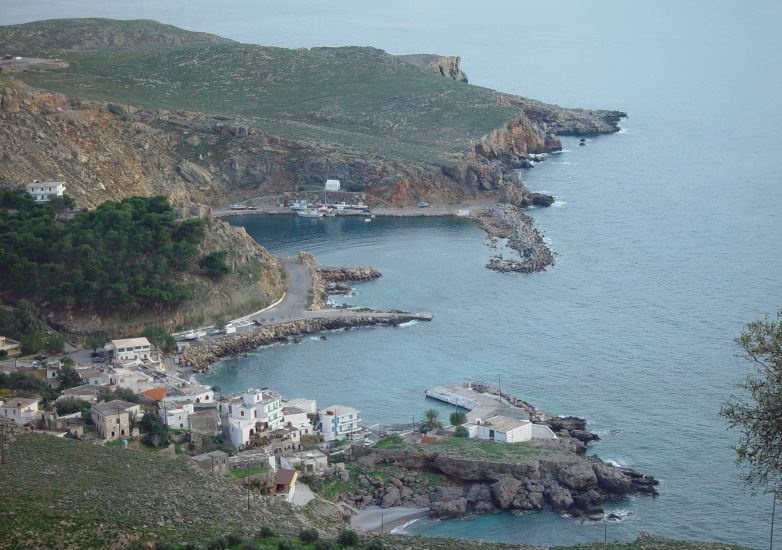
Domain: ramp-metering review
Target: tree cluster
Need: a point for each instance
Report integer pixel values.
(121, 256)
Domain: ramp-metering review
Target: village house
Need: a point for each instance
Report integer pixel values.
(215, 462)
(246, 415)
(53, 373)
(20, 409)
(501, 428)
(339, 422)
(86, 392)
(308, 462)
(294, 417)
(197, 393)
(133, 380)
(205, 421)
(285, 483)
(176, 414)
(44, 191)
(130, 349)
(112, 418)
(95, 377)
(12, 348)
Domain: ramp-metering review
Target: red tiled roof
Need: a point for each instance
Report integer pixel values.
(155, 394)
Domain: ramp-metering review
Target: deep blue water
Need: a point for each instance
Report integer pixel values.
(668, 237)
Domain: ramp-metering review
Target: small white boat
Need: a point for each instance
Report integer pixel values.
(310, 213)
(463, 213)
(300, 205)
(367, 220)
(237, 206)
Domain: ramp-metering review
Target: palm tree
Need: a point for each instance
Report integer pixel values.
(431, 420)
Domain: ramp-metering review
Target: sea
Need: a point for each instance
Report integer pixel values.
(667, 238)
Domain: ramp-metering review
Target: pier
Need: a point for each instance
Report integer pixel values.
(480, 405)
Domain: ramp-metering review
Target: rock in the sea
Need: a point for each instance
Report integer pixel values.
(610, 479)
(478, 493)
(449, 508)
(561, 498)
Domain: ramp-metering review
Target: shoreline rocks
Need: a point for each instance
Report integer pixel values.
(505, 221)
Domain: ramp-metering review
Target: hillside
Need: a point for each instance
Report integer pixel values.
(404, 126)
(59, 493)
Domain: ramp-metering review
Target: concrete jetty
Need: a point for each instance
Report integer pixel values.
(482, 406)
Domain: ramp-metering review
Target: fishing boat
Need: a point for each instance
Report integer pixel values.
(423, 204)
(237, 206)
(463, 213)
(310, 213)
(300, 205)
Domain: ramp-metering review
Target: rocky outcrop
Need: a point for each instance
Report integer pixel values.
(509, 222)
(348, 274)
(559, 479)
(447, 66)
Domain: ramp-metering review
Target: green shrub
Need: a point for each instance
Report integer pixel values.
(163, 545)
(266, 532)
(458, 418)
(234, 539)
(214, 264)
(375, 544)
(309, 535)
(461, 431)
(324, 545)
(217, 544)
(348, 537)
(284, 545)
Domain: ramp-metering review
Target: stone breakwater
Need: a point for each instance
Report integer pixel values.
(348, 274)
(506, 221)
(557, 478)
(200, 358)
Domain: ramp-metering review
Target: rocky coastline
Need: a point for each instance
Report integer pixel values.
(556, 478)
(506, 221)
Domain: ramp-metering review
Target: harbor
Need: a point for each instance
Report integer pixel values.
(480, 405)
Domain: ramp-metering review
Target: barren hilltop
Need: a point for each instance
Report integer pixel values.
(144, 107)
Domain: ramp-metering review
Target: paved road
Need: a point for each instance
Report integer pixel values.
(295, 302)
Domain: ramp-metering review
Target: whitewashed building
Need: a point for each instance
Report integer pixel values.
(19, 409)
(177, 414)
(197, 393)
(130, 349)
(501, 428)
(244, 413)
(44, 191)
(339, 422)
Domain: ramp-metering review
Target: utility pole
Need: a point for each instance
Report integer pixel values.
(247, 470)
(773, 513)
(413, 423)
(2, 442)
(499, 382)
(605, 531)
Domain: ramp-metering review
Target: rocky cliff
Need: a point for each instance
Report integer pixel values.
(448, 66)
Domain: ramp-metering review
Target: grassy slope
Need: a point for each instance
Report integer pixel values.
(361, 97)
(471, 449)
(58, 493)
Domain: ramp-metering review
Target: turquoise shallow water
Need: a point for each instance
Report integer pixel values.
(668, 237)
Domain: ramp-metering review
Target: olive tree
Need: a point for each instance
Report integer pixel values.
(757, 409)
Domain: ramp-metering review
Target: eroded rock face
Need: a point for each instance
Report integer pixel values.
(504, 491)
(578, 476)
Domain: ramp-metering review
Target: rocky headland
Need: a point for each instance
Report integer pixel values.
(471, 479)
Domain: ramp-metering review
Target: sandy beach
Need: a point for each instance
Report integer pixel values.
(375, 518)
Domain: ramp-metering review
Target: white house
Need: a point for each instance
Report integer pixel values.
(87, 392)
(295, 417)
(44, 191)
(130, 349)
(112, 418)
(20, 410)
(307, 405)
(244, 413)
(197, 393)
(132, 380)
(177, 414)
(95, 377)
(501, 428)
(339, 422)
